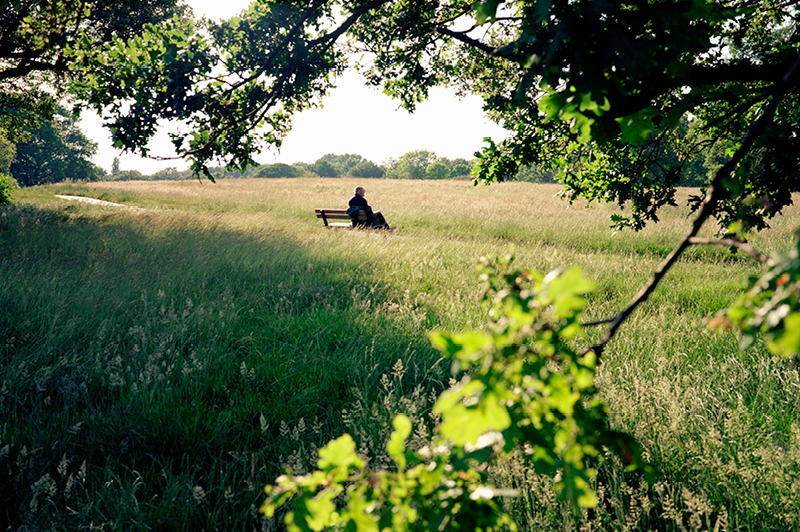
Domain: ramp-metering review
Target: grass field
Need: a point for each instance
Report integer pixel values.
(160, 363)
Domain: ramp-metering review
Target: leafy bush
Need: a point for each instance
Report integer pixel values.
(332, 165)
(437, 170)
(769, 309)
(278, 170)
(367, 169)
(7, 186)
(129, 175)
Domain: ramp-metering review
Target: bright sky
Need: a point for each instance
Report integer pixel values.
(355, 119)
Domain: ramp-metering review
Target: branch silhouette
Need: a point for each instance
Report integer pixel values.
(713, 196)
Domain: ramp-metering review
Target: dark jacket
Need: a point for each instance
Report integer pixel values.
(358, 200)
(357, 204)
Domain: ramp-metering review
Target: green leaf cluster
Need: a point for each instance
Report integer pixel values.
(48, 43)
(7, 186)
(55, 151)
(442, 490)
(425, 164)
(526, 383)
(770, 308)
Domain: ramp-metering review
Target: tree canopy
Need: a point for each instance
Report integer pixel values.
(277, 170)
(55, 151)
(44, 44)
(412, 165)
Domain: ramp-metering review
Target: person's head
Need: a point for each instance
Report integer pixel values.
(359, 191)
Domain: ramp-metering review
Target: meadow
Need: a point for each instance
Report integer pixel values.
(161, 362)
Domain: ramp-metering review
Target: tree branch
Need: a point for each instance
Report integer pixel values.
(344, 26)
(713, 196)
(730, 242)
(483, 47)
(488, 50)
(266, 64)
(736, 110)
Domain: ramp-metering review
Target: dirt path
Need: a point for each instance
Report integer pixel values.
(93, 201)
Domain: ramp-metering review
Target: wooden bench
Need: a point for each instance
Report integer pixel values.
(339, 214)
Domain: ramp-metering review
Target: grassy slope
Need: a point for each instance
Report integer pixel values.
(160, 365)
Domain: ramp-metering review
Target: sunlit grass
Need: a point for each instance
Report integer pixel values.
(160, 365)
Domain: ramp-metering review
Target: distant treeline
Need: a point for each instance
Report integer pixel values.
(422, 164)
(59, 151)
(419, 164)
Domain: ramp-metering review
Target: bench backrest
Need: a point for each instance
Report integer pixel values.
(338, 214)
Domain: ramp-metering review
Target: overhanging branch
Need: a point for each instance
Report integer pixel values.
(344, 26)
(709, 204)
(729, 242)
(483, 47)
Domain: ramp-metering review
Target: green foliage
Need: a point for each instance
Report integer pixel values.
(437, 170)
(613, 109)
(167, 174)
(56, 151)
(324, 168)
(524, 388)
(26, 105)
(770, 308)
(277, 170)
(332, 165)
(396, 500)
(126, 19)
(366, 169)
(7, 186)
(128, 175)
(36, 37)
(170, 74)
(8, 151)
(173, 174)
(411, 165)
(460, 167)
(424, 164)
(48, 43)
(534, 174)
(349, 164)
(525, 381)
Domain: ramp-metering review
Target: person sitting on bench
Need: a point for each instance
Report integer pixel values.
(358, 203)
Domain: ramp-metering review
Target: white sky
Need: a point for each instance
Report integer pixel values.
(355, 119)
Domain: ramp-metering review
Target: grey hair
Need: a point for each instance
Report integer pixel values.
(357, 190)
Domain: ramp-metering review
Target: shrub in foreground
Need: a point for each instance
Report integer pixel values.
(7, 186)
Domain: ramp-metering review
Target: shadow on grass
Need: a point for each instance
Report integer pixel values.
(143, 355)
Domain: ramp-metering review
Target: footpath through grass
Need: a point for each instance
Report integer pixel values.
(160, 364)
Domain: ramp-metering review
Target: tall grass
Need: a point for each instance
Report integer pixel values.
(160, 365)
